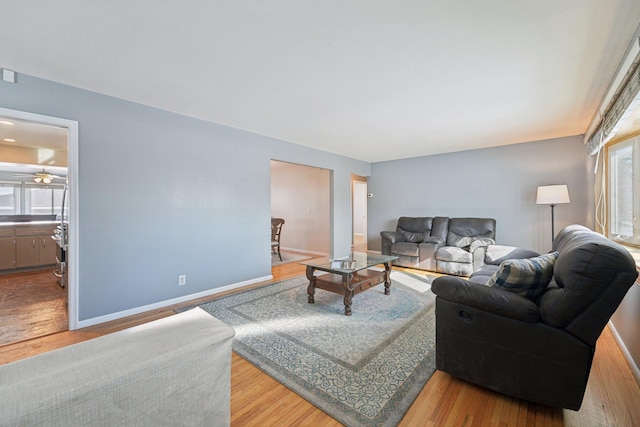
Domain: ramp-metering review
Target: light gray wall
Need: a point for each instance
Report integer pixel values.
(162, 194)
(626, 320)
(499, 182)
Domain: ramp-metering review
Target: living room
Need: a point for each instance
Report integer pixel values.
(163, 191)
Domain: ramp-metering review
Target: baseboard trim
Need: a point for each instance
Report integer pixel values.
(137, 310)
(625, 351)
(302, 251)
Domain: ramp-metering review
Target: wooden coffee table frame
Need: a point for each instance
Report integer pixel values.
(347, 284)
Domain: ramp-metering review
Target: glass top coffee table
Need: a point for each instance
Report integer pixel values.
(349, 275)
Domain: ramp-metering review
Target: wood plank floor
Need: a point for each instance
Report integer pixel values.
(612, 397)
(31, 305)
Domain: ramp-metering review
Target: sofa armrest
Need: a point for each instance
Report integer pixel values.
(480, 243)
(392, 236)
(493, 300)
(497, 253)
(388, 239)
(434, 240)
(478, 249)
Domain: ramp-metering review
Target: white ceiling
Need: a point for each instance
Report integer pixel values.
(21, 133)
(372, 80)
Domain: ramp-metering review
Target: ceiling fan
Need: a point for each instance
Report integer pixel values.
(41, 177)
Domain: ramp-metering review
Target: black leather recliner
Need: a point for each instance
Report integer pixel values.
(541, 350)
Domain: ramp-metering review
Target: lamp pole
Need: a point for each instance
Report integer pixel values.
(553, 231)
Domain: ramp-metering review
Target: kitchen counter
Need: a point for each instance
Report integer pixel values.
(26, 223)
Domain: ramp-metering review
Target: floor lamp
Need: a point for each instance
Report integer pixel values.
(552, 195)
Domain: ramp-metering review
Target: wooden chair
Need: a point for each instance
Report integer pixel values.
(276, 230)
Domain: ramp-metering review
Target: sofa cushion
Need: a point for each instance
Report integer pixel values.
(453, 254)
(462, 229)
(526, 277)
(405, 248)
(412, 237)
(415, 224)
(454, 268)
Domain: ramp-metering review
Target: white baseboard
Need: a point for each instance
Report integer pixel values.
(625, 351)
(303, 251)
(142, 309)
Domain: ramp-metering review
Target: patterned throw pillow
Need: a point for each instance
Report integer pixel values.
(526, 277)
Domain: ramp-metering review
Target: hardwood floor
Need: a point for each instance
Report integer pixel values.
(31, 305)
(612, 397)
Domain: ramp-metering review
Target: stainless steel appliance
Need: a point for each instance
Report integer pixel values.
(61, 237)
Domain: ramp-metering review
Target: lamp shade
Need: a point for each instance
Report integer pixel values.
(552, 194)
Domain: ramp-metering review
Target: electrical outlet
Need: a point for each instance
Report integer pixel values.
(182, 280)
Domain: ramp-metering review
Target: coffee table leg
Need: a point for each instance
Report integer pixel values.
(387, 278)
(348, 293)
(311, 289)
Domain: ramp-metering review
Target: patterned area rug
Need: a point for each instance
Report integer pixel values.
(363, 370)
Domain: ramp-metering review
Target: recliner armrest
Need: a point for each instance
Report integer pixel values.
(392, 236)
(434, 240)
(478, 250)
(493, 300)
(481, 243)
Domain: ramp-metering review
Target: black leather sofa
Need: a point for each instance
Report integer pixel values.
(446, 245)
(538, 350)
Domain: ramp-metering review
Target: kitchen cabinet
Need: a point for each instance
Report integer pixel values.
(26, 246)
(47, 250)
(27, 252)
(7, 253)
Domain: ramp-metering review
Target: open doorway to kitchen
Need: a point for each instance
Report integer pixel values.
(38, 223)
(301, 195)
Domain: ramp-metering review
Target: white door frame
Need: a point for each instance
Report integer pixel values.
(72, 153)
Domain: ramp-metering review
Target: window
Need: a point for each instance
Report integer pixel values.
(9, 200)
(624, 196)
(43, 201)
(27, 199)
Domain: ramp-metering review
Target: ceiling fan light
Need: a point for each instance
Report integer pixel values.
(46, 180)
(38, 179)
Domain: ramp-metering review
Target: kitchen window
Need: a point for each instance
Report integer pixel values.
(26, 199)
(624, 191)
(43, 201)
(9, 199)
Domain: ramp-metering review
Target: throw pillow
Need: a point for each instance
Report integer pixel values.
(526, 277)
(412, 237)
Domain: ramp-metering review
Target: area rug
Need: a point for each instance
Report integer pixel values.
(287, 258)
(363, 370)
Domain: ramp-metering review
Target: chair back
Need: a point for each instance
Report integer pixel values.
(276, 229)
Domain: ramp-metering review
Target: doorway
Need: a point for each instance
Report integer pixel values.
(301, 195)
(46, 165)
(359, 213)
